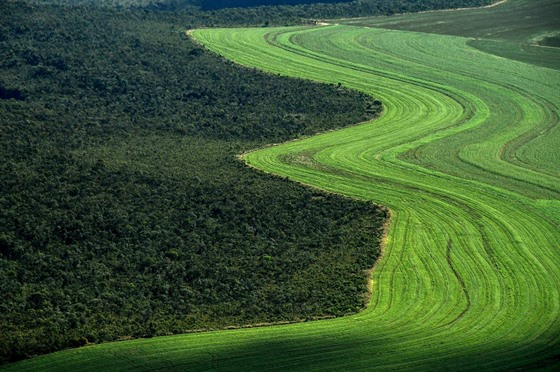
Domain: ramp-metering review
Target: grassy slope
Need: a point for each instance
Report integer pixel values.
(514, 29)
(464, 157)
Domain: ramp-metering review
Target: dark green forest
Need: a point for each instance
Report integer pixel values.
(123, 209)
(208, 13)
(221, 4)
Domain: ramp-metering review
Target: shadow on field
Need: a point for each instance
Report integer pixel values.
(350, 352)
(321, 349)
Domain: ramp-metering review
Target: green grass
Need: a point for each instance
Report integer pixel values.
(514, 29)
(465, 156)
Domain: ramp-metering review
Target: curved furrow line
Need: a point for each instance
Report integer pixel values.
(409, 239)
(536, 100)
(513, 240)
(495, 285)
(494, 92)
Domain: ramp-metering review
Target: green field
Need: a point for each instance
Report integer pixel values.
(512, 29)
(465, 155)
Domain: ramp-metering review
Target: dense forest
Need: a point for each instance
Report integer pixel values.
(222, 4)
(199, 13)
(123, 211)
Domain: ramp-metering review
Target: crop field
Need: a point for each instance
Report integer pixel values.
(519, 30)
(466, 157)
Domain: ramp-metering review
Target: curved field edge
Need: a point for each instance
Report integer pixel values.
(435, 131)
(470, 275)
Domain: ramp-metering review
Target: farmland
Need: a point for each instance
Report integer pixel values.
(465, 156)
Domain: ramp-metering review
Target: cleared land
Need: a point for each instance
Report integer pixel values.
(465, 156)
(514, 29)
